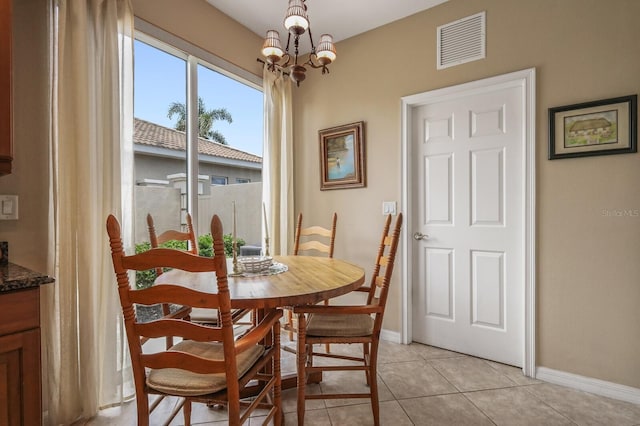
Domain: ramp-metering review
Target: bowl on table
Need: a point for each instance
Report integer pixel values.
(254, 264)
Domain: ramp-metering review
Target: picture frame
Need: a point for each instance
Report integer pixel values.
(603, 127)
(342, 157)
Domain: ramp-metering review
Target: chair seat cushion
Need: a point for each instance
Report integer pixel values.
(337, 325)
(186, 383)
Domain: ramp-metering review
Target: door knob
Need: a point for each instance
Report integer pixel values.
(420, 236)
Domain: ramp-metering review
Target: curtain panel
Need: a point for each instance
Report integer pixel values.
(85, 357)
(277, 161)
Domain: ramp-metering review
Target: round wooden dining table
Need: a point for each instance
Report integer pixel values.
(307, 280)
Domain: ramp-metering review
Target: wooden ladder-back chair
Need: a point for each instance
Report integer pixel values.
(349, 324)
(208, 365)
(205, 316)
(311, 241)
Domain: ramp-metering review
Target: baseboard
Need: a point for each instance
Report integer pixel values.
(588, 384)
(574, 381)
(390, 336)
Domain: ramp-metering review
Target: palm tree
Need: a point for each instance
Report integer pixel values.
(206, 118)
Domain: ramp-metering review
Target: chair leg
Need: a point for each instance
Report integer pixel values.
(186, 410)
(290, 324)
(327, 347)
(277, 389)
(365, 355)
(373, 385)
(301, 358)
(142, 402)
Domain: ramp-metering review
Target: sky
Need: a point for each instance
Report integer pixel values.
(160, 79)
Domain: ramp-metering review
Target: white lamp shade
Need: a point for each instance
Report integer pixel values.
(271, 46)
(326, 50)
(296, 19)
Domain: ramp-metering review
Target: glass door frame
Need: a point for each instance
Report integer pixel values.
(194, 56)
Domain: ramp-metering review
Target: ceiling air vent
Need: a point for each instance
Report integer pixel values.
(461, 41)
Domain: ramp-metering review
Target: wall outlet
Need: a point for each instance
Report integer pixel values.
(388, 207)
(8, 207)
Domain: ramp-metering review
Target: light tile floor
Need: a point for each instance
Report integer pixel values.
(424, 385)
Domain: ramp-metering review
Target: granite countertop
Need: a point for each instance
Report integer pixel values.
(16, 277)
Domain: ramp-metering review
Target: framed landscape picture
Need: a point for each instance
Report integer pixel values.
(342, 157)
(603, 127)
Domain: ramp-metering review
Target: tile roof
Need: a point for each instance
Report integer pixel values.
(151, 134)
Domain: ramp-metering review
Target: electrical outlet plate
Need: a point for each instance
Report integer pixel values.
(8, 207)
(388, 207)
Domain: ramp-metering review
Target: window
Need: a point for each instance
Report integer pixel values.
(219, 180)
(198, 119)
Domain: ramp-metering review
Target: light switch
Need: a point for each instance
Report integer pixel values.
(388, 207)
(8, 207)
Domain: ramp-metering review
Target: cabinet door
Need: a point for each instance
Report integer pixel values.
(20, 400)
(6, 144)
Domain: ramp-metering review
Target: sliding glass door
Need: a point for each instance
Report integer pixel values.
(197, 139)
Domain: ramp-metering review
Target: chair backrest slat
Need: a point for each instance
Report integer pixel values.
(313, 245)
(173, 327)
(379, 281)
(170, 258)
(383, 268)
(172, 293)
(314, 232)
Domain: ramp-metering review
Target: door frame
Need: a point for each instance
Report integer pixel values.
(525, 80)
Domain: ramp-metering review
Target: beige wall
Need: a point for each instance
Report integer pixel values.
(206, 27)
(27, 236)
(588, 290)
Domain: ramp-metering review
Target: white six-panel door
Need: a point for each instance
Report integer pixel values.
(468, 290)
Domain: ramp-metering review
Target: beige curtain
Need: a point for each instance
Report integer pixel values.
(84, 351)
(277, 161)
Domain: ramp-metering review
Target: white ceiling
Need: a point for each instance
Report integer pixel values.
(340, 18)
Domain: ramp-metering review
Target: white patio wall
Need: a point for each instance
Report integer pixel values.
(164, 205)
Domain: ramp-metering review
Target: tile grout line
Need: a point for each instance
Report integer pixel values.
(395, 398)
(442, 375)
(478, 408)
(563, 415)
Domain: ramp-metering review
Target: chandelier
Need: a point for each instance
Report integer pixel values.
(296, 23)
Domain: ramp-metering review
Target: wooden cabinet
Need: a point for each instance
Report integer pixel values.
(20, 387)
(6, 141)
